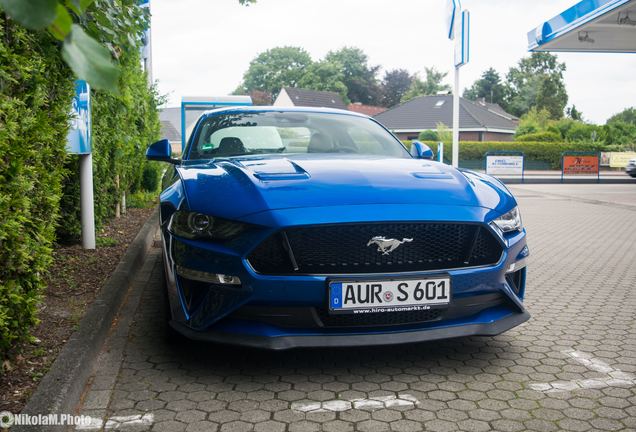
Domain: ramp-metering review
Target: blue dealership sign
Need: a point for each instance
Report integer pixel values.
(78, 140)
(453, 8)
(462, 39)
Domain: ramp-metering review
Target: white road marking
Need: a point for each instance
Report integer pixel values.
(589, 362)
(613, 377)
(371, 404)
(118, 422)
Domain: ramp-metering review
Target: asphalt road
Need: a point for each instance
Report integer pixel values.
(571, 367)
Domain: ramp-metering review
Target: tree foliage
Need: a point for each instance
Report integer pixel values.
(345, 71)
(274, 69)
(537, 82)
(359, 77)
(620, 129)
(395, 84)
(628, 115)
(573, 113)
(538, 125)
(489, 87)
(325, 76)
(79, 24)
(430, 85)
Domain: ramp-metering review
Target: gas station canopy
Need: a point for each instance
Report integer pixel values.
(589, 26)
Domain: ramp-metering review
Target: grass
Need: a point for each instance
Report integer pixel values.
(105, 242)
(39, 352)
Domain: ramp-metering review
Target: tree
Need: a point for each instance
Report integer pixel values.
(620, 129)
(431, 85)
(537, 82)
(324, 76)
(535, 120)
(628, 115)
(621, 133)
(274, 69)
(574, 114)
(489, 87)
(359, 77)
(394, 86)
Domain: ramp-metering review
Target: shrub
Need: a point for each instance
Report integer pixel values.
(36, 89)
(533, 121)
(620, 134)
(544, 136)
(150, 178)
(428, 135)
(538, 126)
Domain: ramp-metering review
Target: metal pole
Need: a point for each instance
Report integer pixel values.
(87, 210)
(456, 120)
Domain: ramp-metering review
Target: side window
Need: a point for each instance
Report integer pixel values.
(295, 139)
(365, 141)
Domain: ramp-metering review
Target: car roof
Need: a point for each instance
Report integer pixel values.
(260, 108)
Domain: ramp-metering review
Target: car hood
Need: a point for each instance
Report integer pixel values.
(237, 187)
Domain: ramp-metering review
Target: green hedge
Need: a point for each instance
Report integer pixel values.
(538, 154)
(35, 94)
(39, 185)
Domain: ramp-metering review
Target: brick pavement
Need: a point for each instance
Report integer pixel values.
(571, 367)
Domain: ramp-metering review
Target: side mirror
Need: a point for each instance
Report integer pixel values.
(161, 151)
(420, 150)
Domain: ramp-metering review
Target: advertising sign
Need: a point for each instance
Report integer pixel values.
(504, 165)
(78, 140)
(580, 164)
(620, 159)
(605, 159)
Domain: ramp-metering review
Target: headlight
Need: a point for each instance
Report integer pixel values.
(511, 221)
(192, 225)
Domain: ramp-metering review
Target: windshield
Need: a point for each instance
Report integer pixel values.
(238, 134)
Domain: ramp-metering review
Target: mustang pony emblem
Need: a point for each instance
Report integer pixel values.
(385, 245)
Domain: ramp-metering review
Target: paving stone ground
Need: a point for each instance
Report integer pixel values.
(571, 367)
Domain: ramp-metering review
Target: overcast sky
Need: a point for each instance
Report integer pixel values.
(203, 47)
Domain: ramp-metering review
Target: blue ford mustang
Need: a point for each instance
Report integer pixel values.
(292, 227)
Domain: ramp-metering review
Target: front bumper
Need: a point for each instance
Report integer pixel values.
(500, 321)
(224, 313)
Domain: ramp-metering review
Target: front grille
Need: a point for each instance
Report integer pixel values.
(378, 319)
(344, 249)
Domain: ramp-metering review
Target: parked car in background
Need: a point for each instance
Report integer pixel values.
(631, 167)
(303, 227)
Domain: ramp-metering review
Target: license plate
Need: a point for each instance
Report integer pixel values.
(388, 295)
